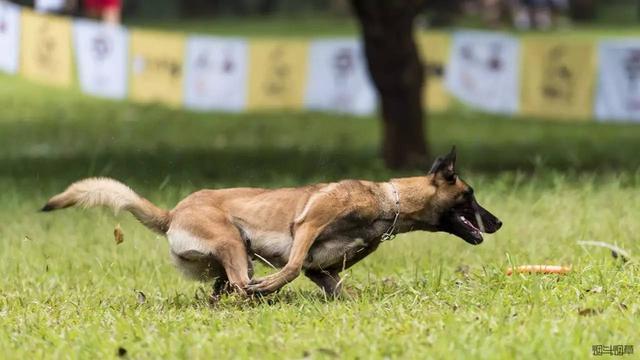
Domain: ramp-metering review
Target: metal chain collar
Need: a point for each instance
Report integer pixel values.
(390, 233)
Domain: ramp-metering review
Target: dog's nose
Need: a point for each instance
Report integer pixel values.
(498, 224)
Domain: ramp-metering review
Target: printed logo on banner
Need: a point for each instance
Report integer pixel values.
(101, 46)
(434, 50)
(484, 70)
(101, 51)
(157, 67)
(278, 79)
(46, 49)
(619, 81)
(344, 73)
(9, 37)
(338, 78)
(277, 74)
(557, 78)
(216, 74)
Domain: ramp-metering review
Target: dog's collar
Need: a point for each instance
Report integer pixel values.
(391, 231)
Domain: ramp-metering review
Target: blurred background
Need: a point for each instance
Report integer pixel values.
(540, 97)
(437, 13)
(429, 70)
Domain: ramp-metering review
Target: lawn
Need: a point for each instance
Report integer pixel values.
(622, 23)
(305, 25)
(68, 291)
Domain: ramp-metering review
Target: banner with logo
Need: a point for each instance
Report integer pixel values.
(540, 76)
(277, 74)
(557, 77)
(338, 78)
(156, 67)
(434, 50)
(101, 56)
(46, 49)
(618, 95)
(216, 73)
(9, 37)
(483, 70)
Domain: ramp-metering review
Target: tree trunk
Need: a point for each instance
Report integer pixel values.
(398, 75)
(582, 10)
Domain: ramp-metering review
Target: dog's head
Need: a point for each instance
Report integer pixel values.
(459, 212)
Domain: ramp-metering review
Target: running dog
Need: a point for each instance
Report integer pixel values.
(319, 229)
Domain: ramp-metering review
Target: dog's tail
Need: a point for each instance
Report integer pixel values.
(115, 195)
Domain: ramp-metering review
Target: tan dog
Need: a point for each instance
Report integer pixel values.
(322, 229)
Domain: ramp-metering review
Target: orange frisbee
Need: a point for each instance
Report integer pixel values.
(539, 269)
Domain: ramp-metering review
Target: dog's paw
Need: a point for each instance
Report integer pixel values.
(269, 284)
(264, 286)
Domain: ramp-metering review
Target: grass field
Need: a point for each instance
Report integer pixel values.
(621, 23)
(68, 291)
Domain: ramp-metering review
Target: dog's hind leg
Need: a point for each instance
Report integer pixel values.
(222, 286)
(328, 281)
(250, 268)
(235, 262)
(211, 235)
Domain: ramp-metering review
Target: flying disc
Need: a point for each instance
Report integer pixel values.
(539, 269)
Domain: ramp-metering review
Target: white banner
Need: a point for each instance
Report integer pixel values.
(483, 70)
(618, 81)
(338, 78)
(101, 53)
(216, 73)
(9, 37)
(45, 6)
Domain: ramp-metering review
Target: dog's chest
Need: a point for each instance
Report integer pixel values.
(343, 242)
(335, 252)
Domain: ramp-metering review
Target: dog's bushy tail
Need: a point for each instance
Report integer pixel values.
(115, 195)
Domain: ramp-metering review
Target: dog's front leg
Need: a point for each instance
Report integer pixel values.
(328, 281)
(303, 239)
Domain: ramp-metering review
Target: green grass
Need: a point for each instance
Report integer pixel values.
(68, 291)
(303, 25)
(323, 25)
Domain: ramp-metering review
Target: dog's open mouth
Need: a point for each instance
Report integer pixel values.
(468, 222)
(463, 226)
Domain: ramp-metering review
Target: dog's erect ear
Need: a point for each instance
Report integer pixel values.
(451, 157)
(445, 165)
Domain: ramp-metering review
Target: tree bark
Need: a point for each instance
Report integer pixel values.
(398, 75)
(582, 10)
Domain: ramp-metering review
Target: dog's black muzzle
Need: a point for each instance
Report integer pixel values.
(469, 220)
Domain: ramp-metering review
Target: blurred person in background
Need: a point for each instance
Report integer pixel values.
(492, 12)
(559, 11)
(537, 14)
(109, 11)
(520, 14)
